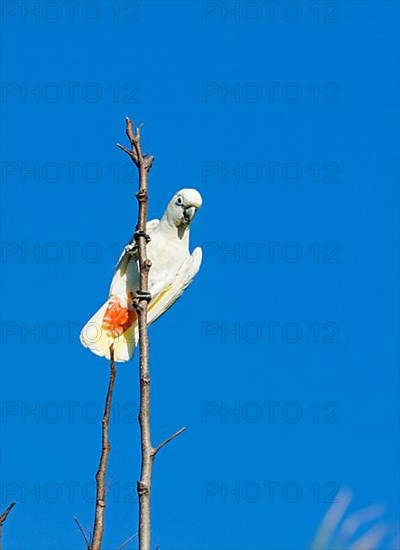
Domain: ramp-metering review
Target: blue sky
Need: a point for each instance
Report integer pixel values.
(287, 123)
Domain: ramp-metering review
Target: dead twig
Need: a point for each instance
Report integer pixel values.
(161, 445)
(3, 518)
(86, 539)
(127, 541)
(98, 527)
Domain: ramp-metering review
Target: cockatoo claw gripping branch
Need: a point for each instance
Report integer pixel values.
(142, 295)
(139, 234)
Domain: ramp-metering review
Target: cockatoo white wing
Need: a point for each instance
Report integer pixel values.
(167, 297)
(131, 247)
(125, 344)
(183, 278)
(118, 283)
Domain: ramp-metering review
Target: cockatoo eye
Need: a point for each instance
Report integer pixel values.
(179, 201)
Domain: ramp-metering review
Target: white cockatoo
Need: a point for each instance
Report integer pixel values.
(173, 269)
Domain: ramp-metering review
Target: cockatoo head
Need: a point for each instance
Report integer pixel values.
(183, 207)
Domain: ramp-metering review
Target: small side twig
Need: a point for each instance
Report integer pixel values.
(161, 445)
(87, 541)
(127, 541)
(3, 518)
(140, 159)
(98, 527)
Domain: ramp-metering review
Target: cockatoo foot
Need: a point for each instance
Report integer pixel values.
(143, 295)
(138, 234)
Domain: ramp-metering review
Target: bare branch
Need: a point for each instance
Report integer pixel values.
(87, 541)
(161, 445)
(4, 515)
(140, 302)
(140, 159)
(98, 527)
(127, 541)
(3, 518)
(144, 164)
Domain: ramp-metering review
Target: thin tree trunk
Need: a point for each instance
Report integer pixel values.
(143, 163)
(148, 453)
(144, 485)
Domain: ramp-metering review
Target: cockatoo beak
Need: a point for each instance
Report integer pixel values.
(189, 213)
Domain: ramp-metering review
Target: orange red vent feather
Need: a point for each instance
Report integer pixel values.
(117, 319)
